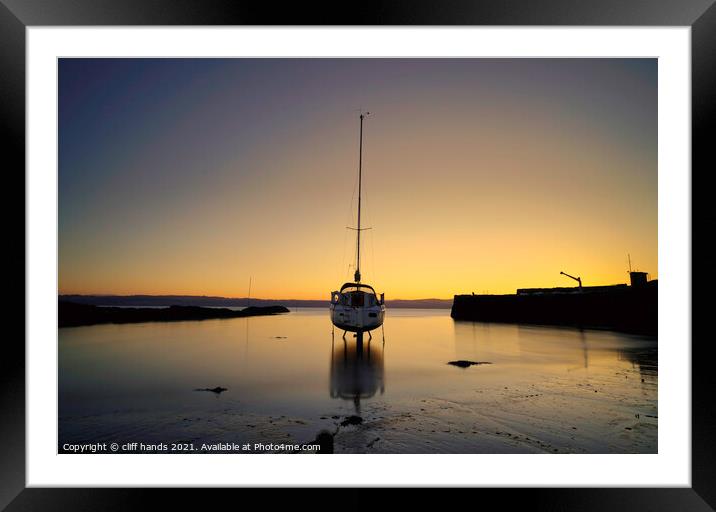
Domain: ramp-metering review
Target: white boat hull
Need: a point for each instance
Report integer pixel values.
(357, 318)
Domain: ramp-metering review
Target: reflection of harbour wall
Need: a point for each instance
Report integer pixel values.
(622, 308)
(644, 358)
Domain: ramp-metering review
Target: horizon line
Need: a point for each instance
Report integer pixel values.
(216, 296)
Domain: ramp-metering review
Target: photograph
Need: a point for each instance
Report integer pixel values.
(357, 255)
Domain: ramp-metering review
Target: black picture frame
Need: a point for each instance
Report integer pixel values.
(700, 15)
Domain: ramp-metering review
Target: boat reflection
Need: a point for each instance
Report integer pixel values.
(356, 368)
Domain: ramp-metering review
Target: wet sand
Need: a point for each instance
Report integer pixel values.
(556, 415)
(545, 391)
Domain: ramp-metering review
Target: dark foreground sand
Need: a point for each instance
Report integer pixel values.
(555, 416)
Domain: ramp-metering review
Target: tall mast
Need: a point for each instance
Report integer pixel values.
(360, 177)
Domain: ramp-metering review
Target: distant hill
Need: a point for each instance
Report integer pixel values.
(225, 302)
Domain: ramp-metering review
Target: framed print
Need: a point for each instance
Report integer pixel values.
(446, 246)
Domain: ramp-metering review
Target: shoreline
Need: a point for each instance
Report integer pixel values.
(72, 314)
(229, 302)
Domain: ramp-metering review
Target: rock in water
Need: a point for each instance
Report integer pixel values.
(352, 420)
(217, 389)
(462, 363)
(324, 440)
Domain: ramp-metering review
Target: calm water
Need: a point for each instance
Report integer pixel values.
(546, 390)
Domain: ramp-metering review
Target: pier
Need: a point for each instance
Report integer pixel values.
(632, 309)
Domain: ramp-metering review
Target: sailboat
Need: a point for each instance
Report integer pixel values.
(356, 307)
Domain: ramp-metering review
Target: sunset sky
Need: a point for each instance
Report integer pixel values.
(189, 176)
